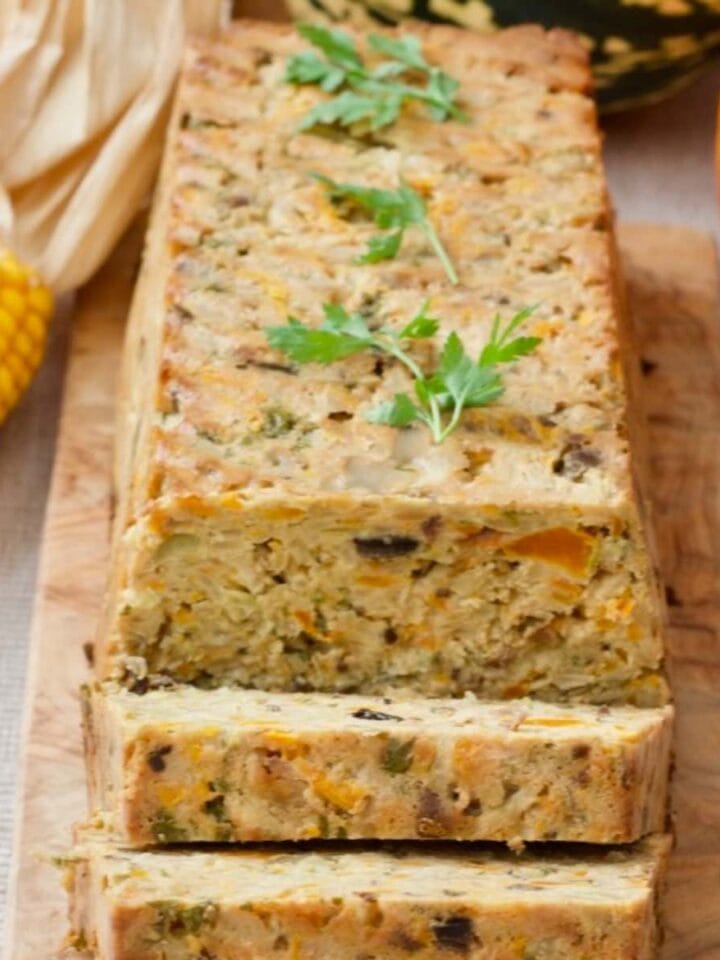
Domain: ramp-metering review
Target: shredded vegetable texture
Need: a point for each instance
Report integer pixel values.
(458, 382)
(393, 211)
(375, 95)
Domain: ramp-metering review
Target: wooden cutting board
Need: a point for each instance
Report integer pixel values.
(673, 293)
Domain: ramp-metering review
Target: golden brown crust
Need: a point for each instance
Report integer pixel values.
(524, 569)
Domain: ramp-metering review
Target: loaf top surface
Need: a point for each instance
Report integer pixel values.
(518, 197)
(491, 877)
(189, 708)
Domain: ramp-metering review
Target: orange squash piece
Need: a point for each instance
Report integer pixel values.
(572, 550)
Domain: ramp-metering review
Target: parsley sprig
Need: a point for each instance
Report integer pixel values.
(458, 383)
(376, 95)
(394, 211)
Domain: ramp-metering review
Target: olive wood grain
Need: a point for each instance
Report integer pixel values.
(673, 295)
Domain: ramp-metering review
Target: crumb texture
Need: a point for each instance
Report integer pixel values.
(476, 904)
(267, 534)
(193, 765)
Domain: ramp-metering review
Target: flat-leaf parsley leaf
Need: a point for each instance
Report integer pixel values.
(377, 94)
(458, 383)
(393, 210)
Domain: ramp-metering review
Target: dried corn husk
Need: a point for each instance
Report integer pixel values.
(84, 93)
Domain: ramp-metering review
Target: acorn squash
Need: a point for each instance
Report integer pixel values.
(641, 49)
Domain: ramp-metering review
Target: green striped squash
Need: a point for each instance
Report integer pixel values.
(641, 49)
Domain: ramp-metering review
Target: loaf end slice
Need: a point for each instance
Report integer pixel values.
(267, 534)
(185, 764)
(479, 904)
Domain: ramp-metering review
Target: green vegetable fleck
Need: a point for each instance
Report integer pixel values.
(277, 422)
(177, 921)
(215, 807)
(376, 95)
(398, 756)
(392, 210)
(459, 382)
(165, 828)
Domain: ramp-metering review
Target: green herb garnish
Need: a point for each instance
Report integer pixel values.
(458, 383)
(394, 211)
(376, 95)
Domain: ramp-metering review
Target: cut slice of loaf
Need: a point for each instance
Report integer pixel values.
(390, 904)
(269, 535)
(185, 764)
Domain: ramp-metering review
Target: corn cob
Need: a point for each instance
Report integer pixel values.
(26, 306)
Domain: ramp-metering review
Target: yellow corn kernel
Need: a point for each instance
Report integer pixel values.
(7, 324)
(169, 794)
(13, 301)
(11, 272)
(8, 390)
(345, 795)
(25, 311)
(36, 357)
(36, 327)
(40, 299)
(23, 344)
(18, 368)
(195, 753)
(376, 580)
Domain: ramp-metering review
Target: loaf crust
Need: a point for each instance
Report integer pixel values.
(242, 765)
(134, 905)
(267, 535)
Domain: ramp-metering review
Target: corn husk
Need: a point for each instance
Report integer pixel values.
(85, 88)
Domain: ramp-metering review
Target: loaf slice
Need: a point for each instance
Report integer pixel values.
(242, 765)
(390, 903)
(269, 535)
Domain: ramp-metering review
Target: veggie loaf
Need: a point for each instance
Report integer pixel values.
(267, 534)
(180, 905)
(242, 765)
